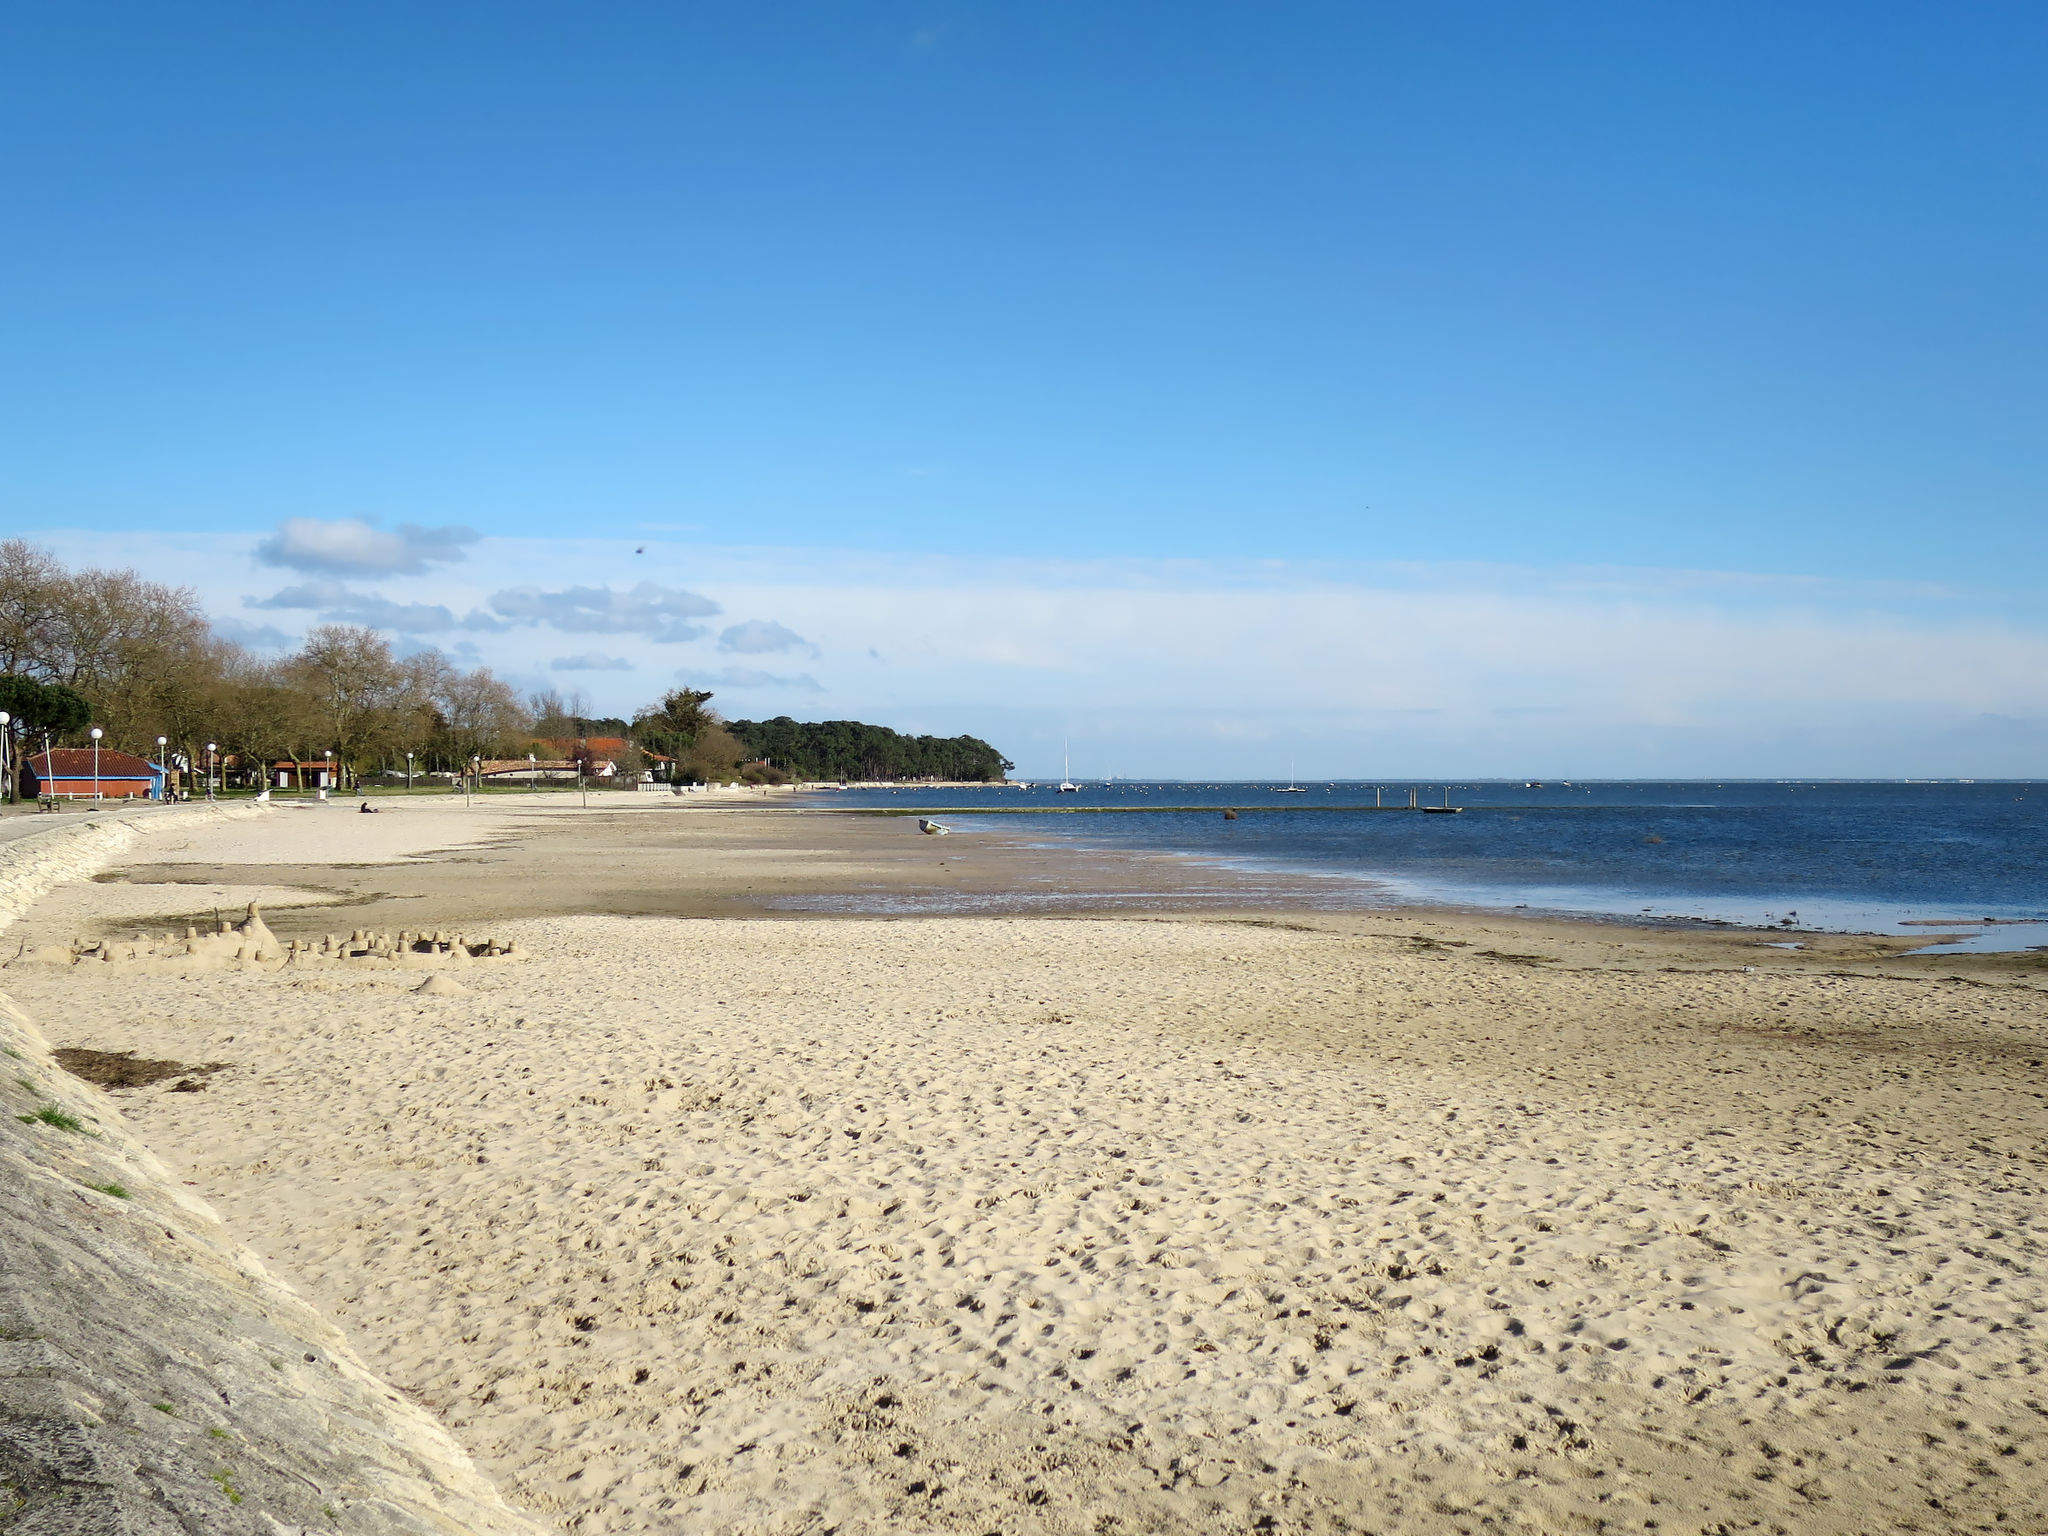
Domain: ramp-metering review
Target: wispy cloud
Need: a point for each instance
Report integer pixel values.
(308, 594)
(661, 613)
(258, 637)
(1216, 666)
(748, 678)
(337, 603)
(763, 637)
(591, 661)
(350, 546)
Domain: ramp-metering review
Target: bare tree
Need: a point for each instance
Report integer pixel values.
(354, 682)
(31, 582)
(480, 716)
(556, 717)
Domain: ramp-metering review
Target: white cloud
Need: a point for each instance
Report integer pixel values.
(257, 637)
(338, 603)
(763, 637)
(748, 678)
(591, 661)
(648, 608)
(309, 594)
(350, 546)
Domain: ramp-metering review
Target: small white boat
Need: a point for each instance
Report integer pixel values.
(1292, 787)
(932, 828)
(1067, 784)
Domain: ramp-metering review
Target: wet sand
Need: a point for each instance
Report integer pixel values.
(1135, 1218)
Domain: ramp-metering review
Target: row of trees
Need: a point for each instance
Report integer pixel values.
(138, 659)
(848, 749)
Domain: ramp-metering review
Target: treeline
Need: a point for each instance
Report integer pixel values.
(848, 749)
(138, 659)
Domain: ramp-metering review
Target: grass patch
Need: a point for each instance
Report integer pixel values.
(8, 1050)
(218, 1433)
(224, 1478)
(112, 1189)
(50, 1114)
(165, 1408)
(34, 1091)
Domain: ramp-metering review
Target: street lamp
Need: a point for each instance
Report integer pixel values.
(163, 766)
(475, 776)
(532, 774)
(6, 742)
(408, 773)
(95, 765)
(327, 773)
(212, 762)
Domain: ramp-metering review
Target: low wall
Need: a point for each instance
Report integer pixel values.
(154, 1377)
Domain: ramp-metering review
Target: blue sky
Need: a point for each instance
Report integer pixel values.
(1716, 316)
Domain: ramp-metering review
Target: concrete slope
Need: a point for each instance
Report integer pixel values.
(154, 1378)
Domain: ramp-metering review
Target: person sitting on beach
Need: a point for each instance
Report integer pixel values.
(367, 809)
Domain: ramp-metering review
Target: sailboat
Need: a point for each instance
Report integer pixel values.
(1067, 784)
(1292, 787)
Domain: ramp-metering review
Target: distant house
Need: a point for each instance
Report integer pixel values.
(520, 768)
(70, 773)
(600, 755)
(318, 774)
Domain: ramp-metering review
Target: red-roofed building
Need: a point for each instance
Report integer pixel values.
(598, 755)
(74, 773)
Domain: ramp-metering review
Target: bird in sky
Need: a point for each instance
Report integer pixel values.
(641, 550)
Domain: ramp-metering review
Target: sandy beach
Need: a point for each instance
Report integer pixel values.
(1156, 1211)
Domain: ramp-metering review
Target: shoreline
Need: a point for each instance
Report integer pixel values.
(1091, 879)
(1398, 893)
(704, 858)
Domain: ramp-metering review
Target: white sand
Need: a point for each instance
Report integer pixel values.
(1118, 1226)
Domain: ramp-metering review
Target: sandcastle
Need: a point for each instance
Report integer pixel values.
(251, 945)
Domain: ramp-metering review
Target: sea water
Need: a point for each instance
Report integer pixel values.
(1870, 857)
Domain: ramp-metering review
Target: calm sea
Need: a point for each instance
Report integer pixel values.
(1857, 857)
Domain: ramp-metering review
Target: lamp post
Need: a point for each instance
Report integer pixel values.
(163, 766)
(408, 773)
(212, 763)
(95, 765)
(472, 776)
(6, 743)
(532, 774)
(327, 773)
